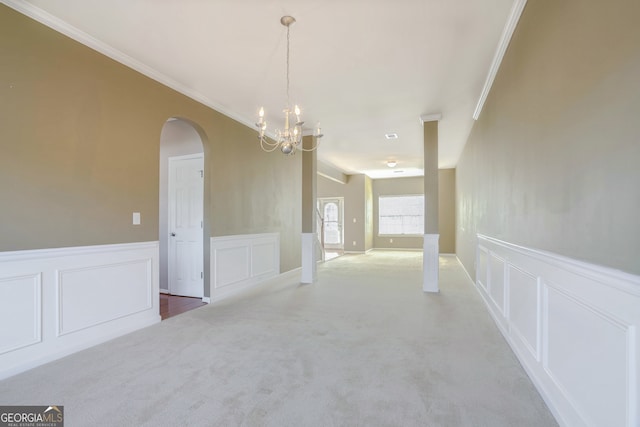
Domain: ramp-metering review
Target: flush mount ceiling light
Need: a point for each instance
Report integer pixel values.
(391, 135)
(392, 163)
(288, 139)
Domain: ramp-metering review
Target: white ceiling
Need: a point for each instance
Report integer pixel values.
(362, 68)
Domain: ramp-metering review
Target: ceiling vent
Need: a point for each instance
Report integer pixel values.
(391, 135)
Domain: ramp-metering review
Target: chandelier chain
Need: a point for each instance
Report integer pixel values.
(288, 100)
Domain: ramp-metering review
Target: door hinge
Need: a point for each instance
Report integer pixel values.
(201, 225)
(201, 174)
(201, 275)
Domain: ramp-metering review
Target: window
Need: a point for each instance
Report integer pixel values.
(399, 215)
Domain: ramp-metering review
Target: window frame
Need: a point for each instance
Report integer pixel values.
(391, 196)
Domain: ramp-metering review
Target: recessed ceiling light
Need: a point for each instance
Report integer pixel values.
(392, 163)
(391, 135)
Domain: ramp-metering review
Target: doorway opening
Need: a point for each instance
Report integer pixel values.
(172, 305)
(332, 211)
(181, 222)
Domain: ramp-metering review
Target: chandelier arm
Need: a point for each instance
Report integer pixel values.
(299, 147)
(267, 142)
(271, 147)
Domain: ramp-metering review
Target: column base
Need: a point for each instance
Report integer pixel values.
(309, 261)
(430, 263)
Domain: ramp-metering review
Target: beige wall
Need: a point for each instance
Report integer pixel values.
(552, 163)
(431, 175)
(354, 209)
(80, 138)
(368, 213)
(447, 210)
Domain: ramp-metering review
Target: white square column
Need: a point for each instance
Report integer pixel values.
(430, 263)
(309, 234)
(309, 260)
(431, 248)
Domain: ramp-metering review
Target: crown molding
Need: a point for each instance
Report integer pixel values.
(74, 33)
(505, 39)
(430, 118)
(331, 172)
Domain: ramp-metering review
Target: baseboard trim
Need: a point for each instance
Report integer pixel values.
(296, 272)
(471, 281)
(69, 350)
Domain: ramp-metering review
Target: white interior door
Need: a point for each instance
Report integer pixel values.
(186, 191)
(331, 210)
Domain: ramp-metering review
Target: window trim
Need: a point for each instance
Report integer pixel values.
(389, 196)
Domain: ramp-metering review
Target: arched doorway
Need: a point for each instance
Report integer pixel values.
(181, 218)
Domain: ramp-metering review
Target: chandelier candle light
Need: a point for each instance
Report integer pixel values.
(288, 139)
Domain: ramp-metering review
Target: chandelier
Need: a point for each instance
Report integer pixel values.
(288, 139)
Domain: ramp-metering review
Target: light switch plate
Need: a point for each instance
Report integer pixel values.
(136, 218)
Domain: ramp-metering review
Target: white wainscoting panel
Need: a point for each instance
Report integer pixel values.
(54, 302)
(20, 311)
(496, 281)
(239, 262)
(524, 310)
(264, 255)
(573, 326)
(233, 265)
(124, 289)
(481, 269)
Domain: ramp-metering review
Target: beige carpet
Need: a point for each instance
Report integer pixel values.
(364, 346)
